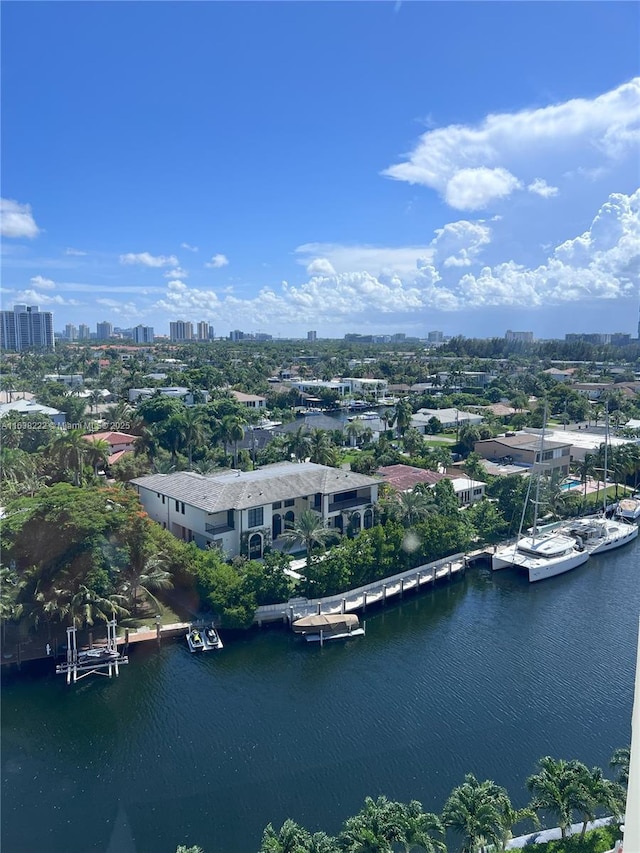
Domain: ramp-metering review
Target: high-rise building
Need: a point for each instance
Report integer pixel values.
(312, 336)
(435, 337)
(84, 332)
(143, 334)
(104, 331)
(181, 330)
(26, 327)
(204, 331)
(524, 337)
(70, 332)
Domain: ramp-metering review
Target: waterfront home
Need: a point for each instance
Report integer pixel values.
(523, 448)
(449, 418)
(30, 407)
(244, 512)
(119, 442)
(404, 478)
(250, 401)
(189, 398)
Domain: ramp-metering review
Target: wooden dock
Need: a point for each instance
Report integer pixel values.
(357, 600)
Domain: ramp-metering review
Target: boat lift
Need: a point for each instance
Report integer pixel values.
(101, 660)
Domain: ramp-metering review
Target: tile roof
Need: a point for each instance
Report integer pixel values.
(405, 477)
(245, 489)
(111, 437)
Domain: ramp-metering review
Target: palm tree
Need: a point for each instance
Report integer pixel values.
(597, 792)
(299, 444)
(143, 576)
(322, 451)
(415, 505)
(375, 828)
(555, 790)
(193, 430)
(309, 529)
(481, 812)
(86, 605)
(620, 761)
(68, 449)
(291, 838)
(402, 415)
(353, 431)
(98, 454)
(419, 827)
(230, 430)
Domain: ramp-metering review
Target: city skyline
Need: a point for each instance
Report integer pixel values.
(403, 186)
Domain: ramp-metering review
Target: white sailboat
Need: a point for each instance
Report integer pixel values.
(597, 532)
(542, 554)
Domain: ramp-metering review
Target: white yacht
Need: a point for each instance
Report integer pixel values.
(542, 554)
(629, 508)
(599, 534)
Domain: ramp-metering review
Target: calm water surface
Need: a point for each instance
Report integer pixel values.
(485, 675)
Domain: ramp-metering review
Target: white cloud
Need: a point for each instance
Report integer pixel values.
(148, 260)
(188, 247)
(36, 297)
(178, 272)
(474, 165)
(377, 260)
(217, 261)
(475, 189)
(602, 263)
(540, 187)
(320, 266)
(40, 281)
(16, 220)
(121, 309)
(75, 252)
(458, 244)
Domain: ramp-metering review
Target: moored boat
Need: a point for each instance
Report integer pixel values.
(629, 508)
(195, 640)
(599, 534)
(332, 626)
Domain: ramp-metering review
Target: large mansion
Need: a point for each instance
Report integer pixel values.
(242, 513)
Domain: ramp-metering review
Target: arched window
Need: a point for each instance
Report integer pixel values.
(368, 519)
(255, 547)
(276, 525)
(356, 521)
(289, 520)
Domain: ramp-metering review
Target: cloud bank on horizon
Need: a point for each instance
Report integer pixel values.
(517, 169)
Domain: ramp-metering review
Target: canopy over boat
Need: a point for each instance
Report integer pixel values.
(329, 622)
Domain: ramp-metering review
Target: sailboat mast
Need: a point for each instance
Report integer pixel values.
(538, 476)
(606, 460)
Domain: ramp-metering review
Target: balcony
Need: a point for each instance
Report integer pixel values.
(360, 501)
(216, 529)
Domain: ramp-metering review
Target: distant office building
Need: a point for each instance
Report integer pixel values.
(70, 332)
(312, 336)
(180, 331)
(236, 335)
(84, 332)
(616, 339)
(143, 334)
(204, 331)
(435, 337)
(104, 331)
(26, 327)
(524, 337)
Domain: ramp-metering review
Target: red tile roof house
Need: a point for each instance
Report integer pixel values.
(120, 442)
(404, 478)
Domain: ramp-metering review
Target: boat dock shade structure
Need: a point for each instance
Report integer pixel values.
(329, 623)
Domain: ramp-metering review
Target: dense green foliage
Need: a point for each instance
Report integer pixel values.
(478, 815)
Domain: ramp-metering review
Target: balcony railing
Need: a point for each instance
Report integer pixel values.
(218, 528)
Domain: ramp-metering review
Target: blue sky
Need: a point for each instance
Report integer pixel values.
(345, 167)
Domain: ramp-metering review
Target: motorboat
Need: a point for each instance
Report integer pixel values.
(332, 626)
(195, 640)
(629, 508)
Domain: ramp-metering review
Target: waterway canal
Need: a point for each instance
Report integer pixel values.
(484, 675)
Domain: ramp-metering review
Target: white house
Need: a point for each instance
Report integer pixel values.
(30, 407)
(449, 418)
(242, 513)
(178, 392)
